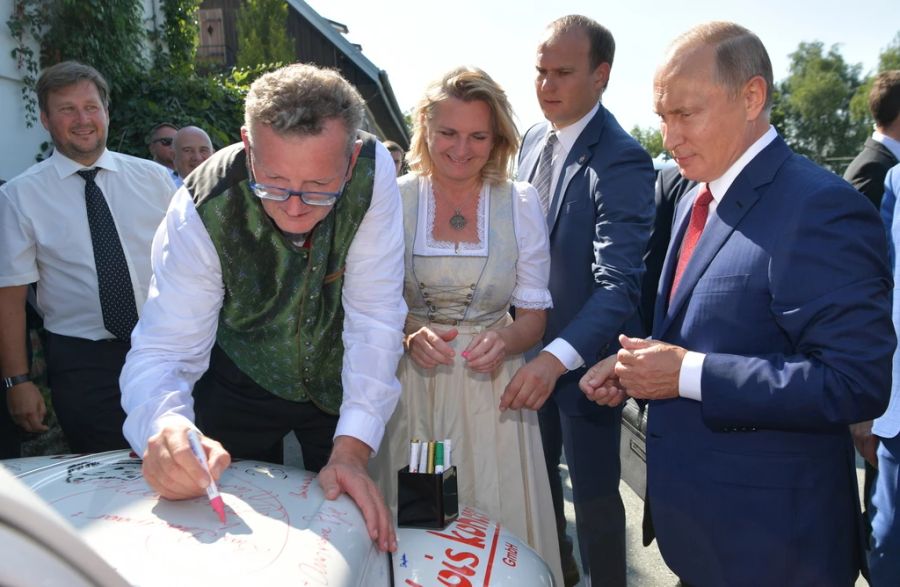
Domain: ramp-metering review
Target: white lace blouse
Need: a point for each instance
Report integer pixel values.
(533, 264)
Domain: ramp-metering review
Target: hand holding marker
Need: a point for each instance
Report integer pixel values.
(215, 500)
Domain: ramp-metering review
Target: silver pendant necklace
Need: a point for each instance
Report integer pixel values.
(458, 221)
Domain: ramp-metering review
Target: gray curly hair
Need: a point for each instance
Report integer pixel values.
(299, 99)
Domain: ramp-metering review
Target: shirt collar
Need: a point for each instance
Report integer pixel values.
(569, 134)
(66, 167)
(719, 187)
(892, 145)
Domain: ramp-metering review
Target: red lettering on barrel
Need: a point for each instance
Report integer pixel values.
(461, 557)
(512, 553)
(451, 579)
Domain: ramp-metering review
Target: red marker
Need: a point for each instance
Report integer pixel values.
(215, 500)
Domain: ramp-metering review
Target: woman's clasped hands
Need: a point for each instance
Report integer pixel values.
(431, 347)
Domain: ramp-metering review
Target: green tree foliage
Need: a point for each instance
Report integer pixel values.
(140, 96)
(890, 56)
(108, 32)
(59, 28)
(175, 44)
(213, 103)
(888, 59)
(814, 106)
(262, 33)
(650, 138)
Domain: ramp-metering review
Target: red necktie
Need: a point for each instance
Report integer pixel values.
(699, 212)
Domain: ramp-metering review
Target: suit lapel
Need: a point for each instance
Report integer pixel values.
(579, 155)
(574, 163)
(532, 144)
(737, 201)
(661, 317)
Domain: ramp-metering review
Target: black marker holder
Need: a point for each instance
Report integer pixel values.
(427, 500)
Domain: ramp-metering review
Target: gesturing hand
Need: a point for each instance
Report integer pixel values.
(601, 385)
(649, 369)
(429, 348)
(533, 383)
(486, 352)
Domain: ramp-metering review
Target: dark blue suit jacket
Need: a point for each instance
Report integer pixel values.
(788, 293)
(599, 222)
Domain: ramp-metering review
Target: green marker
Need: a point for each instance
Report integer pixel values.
(439, 457)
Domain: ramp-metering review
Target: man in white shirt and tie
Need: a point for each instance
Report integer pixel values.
(80, 225)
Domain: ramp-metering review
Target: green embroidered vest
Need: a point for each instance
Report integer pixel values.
(281, 319)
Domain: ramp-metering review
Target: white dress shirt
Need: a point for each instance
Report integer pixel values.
(172, 342)
(45, 237)
(692, 363)
(558, 347)
(530, 227)
(566, 140)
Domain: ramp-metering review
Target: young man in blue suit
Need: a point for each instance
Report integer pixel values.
(596, 183)
(772, 333)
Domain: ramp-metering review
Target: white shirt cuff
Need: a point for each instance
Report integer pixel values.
(566, 354)
(362, 426)
(690, 375)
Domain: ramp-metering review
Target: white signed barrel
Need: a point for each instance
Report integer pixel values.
(279, 529)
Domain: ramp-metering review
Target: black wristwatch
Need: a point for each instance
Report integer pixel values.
(10, 382)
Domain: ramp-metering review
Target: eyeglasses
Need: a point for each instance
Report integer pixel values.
(268, 192)
(166, 141)
(311, 198)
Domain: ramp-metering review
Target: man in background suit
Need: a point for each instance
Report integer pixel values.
(882, 150)
(866, 172)
(599, 202)
(670, 187)
(772, 334)
(884, 555)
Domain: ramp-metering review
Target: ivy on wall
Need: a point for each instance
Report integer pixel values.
(26, 23)
(150, 70)
(175, 45)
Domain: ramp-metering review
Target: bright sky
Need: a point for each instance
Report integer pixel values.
(417, 40)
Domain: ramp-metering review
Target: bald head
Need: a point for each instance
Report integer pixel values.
(192, 147)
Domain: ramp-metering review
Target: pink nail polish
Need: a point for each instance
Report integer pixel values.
(465, 354)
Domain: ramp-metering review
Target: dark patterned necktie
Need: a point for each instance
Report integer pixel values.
(543, 179)
(696, 224)
(113, 279)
